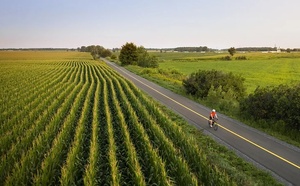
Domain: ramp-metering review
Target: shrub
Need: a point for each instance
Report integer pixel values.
(201, 82)
(147, 71)
(241, 58)
(113, 57)
(259, 104)
(281, 103)
(144, 59)
(221, 100)
(226, 58)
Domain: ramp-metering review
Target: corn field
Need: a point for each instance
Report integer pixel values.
(79, 122)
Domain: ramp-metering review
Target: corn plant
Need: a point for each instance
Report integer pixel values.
(134, 176)
(151, 164)
(51, 166)
(73, 169)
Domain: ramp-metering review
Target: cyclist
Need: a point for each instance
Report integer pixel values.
(212, 117)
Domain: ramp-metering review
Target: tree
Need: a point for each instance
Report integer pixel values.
(83, 49)
(105, 53)
(232, 51)
(94, 51)
(144, 59)
(132, 55)
(113, 57)
(97, 51)
(128, 54)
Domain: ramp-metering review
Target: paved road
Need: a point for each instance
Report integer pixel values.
(281, 159)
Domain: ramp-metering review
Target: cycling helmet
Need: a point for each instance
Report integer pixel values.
(213, 110)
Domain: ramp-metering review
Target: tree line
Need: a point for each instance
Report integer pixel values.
(256, 49)
(263, 49)
(193, 49)
(96, 51)
(39, 49)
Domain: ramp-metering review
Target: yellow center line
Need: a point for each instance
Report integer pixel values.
(255, 144)
(228, 130)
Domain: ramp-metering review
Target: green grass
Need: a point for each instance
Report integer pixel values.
(259, 70)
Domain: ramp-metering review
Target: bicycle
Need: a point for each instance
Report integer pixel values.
(214, 124)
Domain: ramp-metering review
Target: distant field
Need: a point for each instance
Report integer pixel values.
(41, 55)
(259, 70)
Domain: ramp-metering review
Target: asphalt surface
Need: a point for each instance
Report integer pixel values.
(279, 158)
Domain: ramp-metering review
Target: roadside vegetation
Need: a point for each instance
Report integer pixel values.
(71, 120)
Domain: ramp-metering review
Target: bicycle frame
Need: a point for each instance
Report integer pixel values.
(213, 123)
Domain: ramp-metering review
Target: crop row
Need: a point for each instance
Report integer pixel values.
(81, 123)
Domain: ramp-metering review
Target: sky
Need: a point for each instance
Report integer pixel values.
(216, 24)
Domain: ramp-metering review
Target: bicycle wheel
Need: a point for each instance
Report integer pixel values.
(216, 126)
